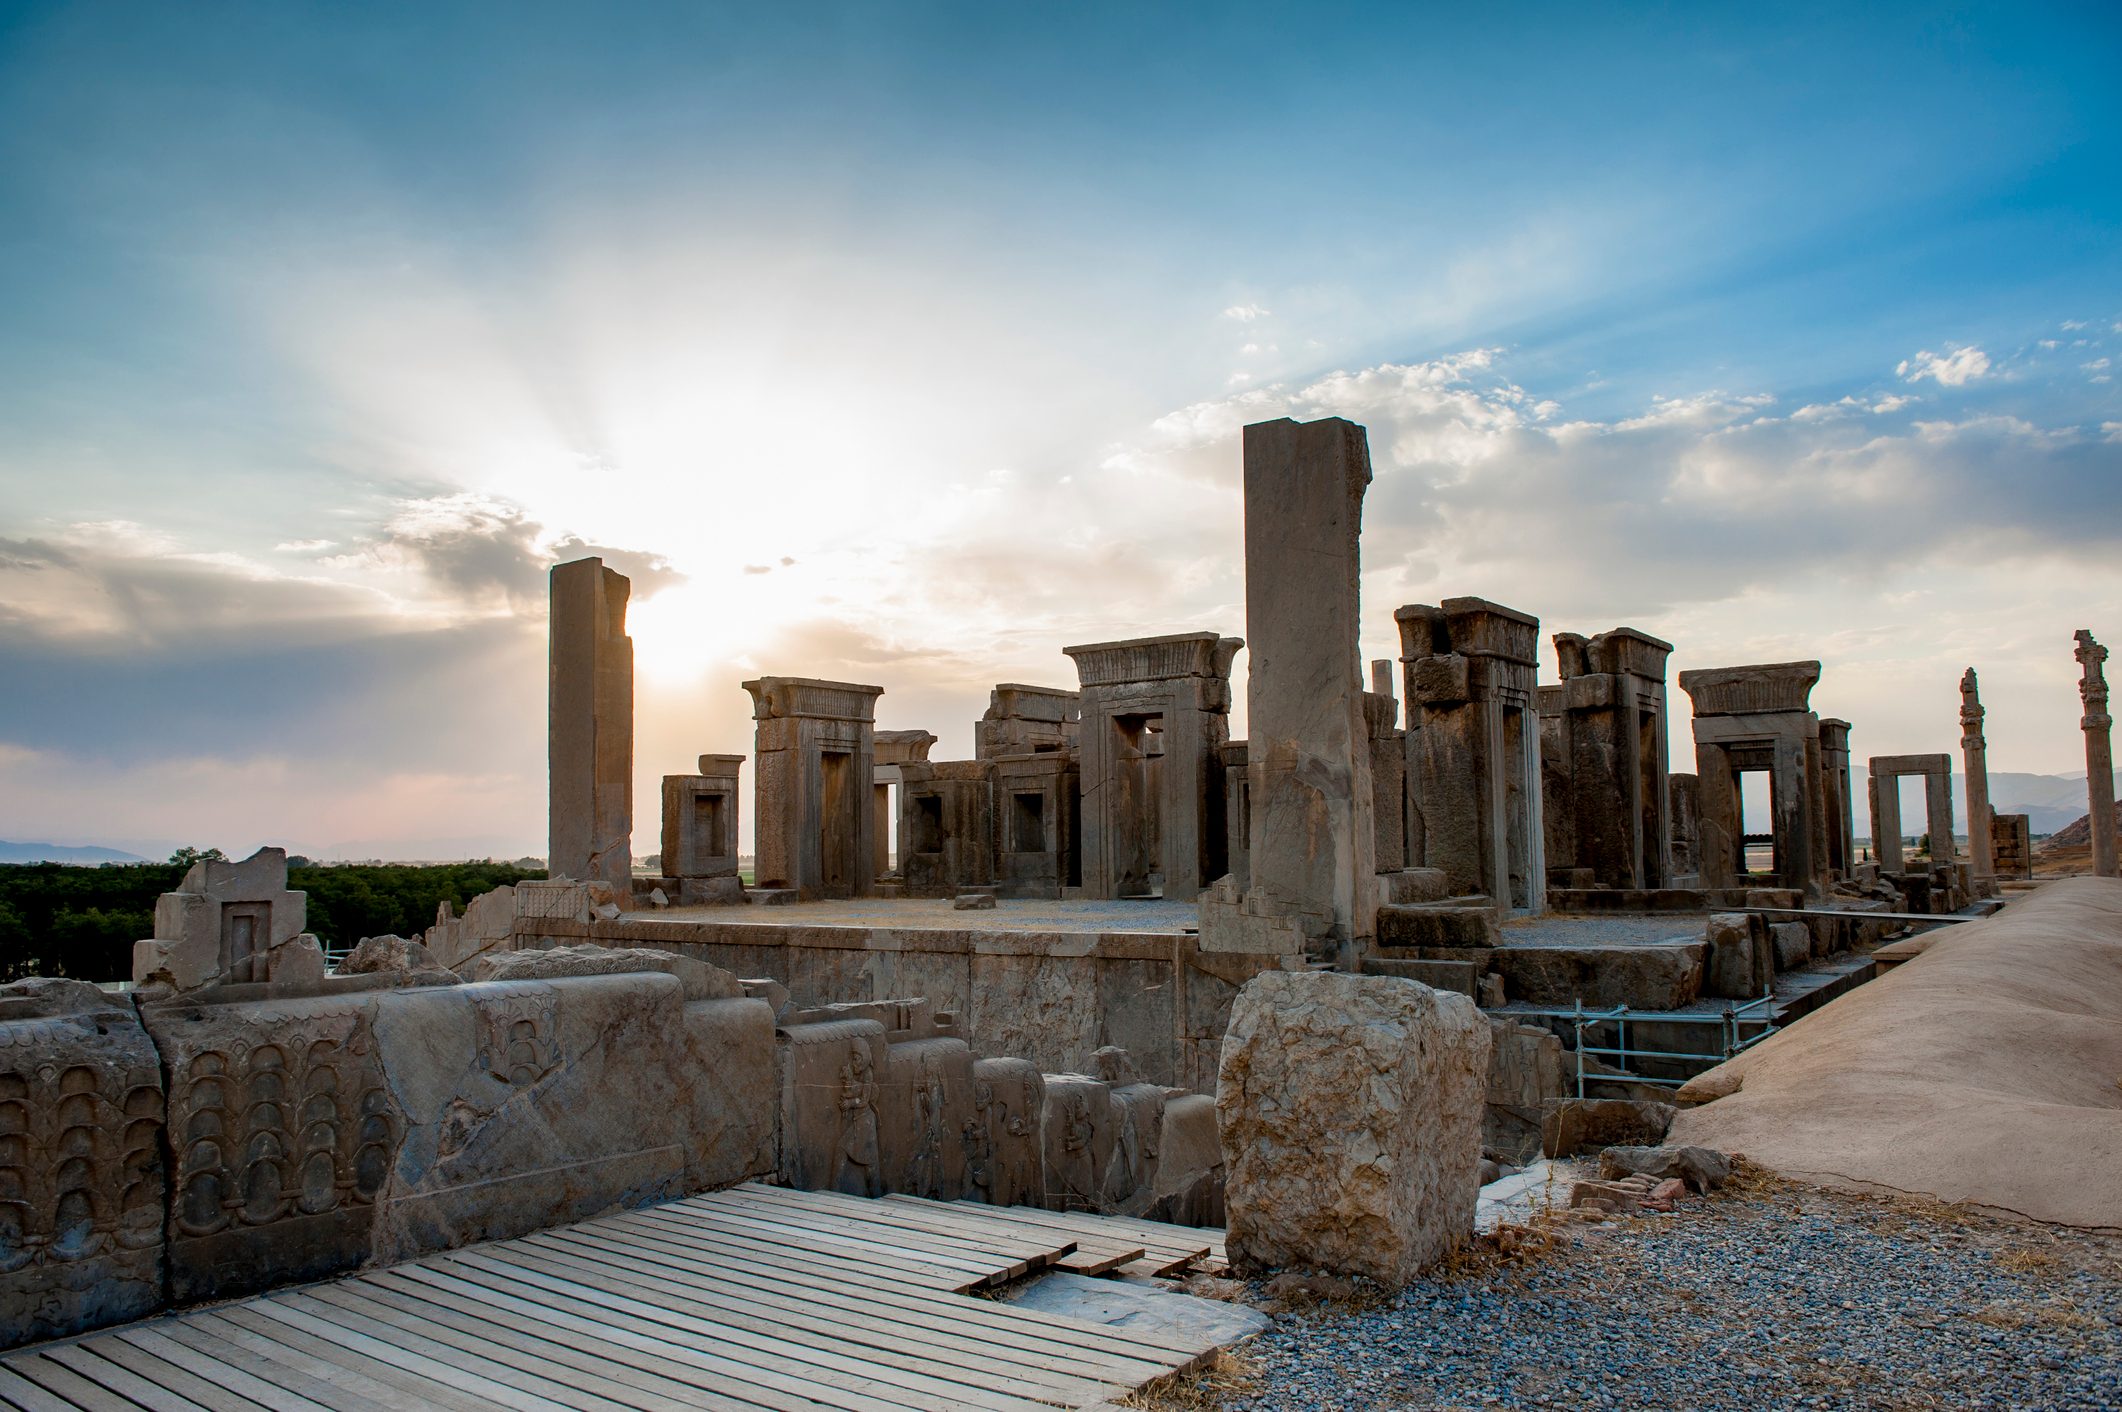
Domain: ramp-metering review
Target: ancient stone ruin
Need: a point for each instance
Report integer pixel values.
(1116, 962)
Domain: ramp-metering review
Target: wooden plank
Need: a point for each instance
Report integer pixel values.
(326, 1361)
(231, 1360)
(177, 1379)
(439, 1373)
(408, 1338)
(1176, 1246)
(882, 1245)
(117, 1378)
(25, 1396)
(906, 1388)
(1095, 1252)
(568, 1311)
(232, 1368)
(651, 1376)
(1030, 1251)
(835, 1307)
(937, 1354)
(1096, 1340)
(73, 1390)
(1094, 1337)
(871, 1333)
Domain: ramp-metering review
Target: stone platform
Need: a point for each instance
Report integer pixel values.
(938, 914)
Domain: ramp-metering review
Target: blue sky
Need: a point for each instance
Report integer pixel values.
(909, 344)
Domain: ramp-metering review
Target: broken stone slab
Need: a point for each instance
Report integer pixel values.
(1414, 885)
(973, 902)
(1702, 1168)
(1794, 944)
(1573, 1125)
(701, 981)
(1661, 976)
(1351, 1109)
(1741, 963)
(404, 961)
(1184, 1319)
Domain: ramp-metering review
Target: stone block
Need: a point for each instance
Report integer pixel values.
(1573, 1125)
(1077, 1125)
(1138, 1133)
(1414, 885)
(924, 1115)
(81, 1162)
(1795, 945)
(1459, 977)
(1525, 1072)
(1007, 1161)
(1189, 1185)
(1406, 927)
(973, 902)
(1662, 976)
(1351, 1110)
(1741, 963)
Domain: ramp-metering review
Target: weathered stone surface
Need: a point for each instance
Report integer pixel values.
(1661, 976)
(1573, 1125)
(1703, 1169)
(1460, 977)
(973, 902)
(81, 1162)
(1189, 1184)
(1886, 823)
(1794, 943)
(815, 816)
(403, 961)
(1758, 718)
(1040, 1008)
(1008, 1163)
(1603, 734)
(1526, 1070)
(1138, 1137)
(1405, 928)
(1351, 1110)
(1741, 961)
(1079, 1135)
(701, 981)
(590, 725)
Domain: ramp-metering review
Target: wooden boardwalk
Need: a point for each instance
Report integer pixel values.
(755, 1297)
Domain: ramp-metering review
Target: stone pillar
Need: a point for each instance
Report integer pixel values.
(1613, 732)
(1974, 759)
(893, 749)
(1841, 803)
(589, 745)
(1313, 834)
(1388, 768)
(2099, 753)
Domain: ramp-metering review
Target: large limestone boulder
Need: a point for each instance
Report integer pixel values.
(1351, 1109)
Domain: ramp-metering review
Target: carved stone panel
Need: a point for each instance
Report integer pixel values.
(1007, 1162)
(925, 1118)
(81, 1168)
(283, 1134)
(1078, 1123)
(830, 1073)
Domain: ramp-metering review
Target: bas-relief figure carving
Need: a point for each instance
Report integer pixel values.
(830, 1138)
(1008, 1165)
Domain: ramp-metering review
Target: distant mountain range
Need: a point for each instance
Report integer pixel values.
(60, 853)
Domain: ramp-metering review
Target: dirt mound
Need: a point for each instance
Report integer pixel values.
(1986, 1071)
(2075, 835)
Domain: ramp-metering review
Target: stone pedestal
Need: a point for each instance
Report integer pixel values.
(1313, 836)
(590, 727)
(1352, 1111)
(2099, 753)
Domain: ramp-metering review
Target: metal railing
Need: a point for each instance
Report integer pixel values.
(1732, 1023)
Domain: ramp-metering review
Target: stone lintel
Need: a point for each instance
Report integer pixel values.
(774, 697)
(1767, 688)
(1147, 659)
(1883, 767)
(721, 767)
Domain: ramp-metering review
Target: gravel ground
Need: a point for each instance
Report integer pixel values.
(1779, 1297)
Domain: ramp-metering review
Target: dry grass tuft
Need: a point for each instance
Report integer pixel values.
(1201, 1388)
(2028, 1260)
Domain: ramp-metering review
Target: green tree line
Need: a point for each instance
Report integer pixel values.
(58, 919)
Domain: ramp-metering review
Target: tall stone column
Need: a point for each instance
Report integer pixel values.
(1314, 880)
(1974, 759)
(2099, 753)
(589, 742)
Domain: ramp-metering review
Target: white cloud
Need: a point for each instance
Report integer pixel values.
(1955, 367)
(1245, 313)
(303, 546)
(2073, 325)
